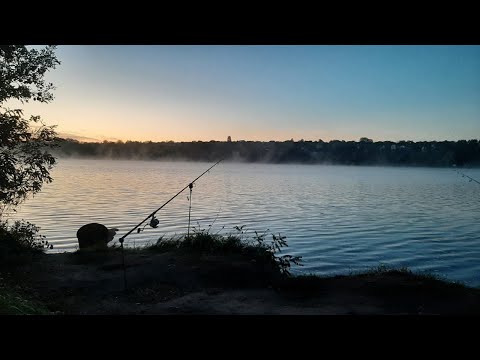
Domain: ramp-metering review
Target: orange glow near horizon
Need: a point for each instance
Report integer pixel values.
(169, 125)
(263, 93)
(114, 125)
(207, 136)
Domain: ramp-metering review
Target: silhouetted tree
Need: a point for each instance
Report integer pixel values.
(445, 153)
(24, 160)
(365, 139)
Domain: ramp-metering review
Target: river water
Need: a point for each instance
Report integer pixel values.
(338, 218)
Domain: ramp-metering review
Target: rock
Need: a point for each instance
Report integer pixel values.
(95, 236)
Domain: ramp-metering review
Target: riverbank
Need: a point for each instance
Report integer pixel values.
(172, 280)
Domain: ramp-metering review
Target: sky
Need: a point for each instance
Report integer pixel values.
(190, 93)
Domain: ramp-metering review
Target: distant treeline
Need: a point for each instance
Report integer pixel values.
(363, 152)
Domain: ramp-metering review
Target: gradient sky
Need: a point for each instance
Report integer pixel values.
(186, 93)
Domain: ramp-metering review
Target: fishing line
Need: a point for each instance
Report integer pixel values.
(465, 175)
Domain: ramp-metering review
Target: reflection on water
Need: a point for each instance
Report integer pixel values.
(338, 218)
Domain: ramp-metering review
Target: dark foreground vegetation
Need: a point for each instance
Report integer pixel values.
(213, 274)
(363, 152)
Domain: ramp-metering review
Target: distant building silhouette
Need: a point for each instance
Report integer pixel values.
(229, 139)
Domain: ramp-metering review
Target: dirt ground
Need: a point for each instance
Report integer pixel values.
(181, 283)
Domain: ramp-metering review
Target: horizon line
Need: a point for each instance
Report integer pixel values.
(84, 139)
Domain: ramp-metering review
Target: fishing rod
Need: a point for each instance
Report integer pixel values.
(154, 222)
(465, 175)
(190, 185)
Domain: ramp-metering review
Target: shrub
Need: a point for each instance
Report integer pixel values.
(20, 239)
(257, 248)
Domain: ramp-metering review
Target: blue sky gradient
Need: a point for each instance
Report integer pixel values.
(186, 93)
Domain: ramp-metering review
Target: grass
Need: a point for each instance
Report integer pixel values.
(211, 244)
(12, 303)
(257, 249)
(382, 279)
(426, 278)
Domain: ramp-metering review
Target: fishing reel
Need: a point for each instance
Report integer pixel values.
(154, 222)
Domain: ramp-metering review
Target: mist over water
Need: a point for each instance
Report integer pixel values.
(338, 218)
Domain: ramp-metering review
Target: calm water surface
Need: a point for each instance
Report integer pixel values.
(338, 218)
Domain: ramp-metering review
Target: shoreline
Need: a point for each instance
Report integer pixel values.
(176, 281)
